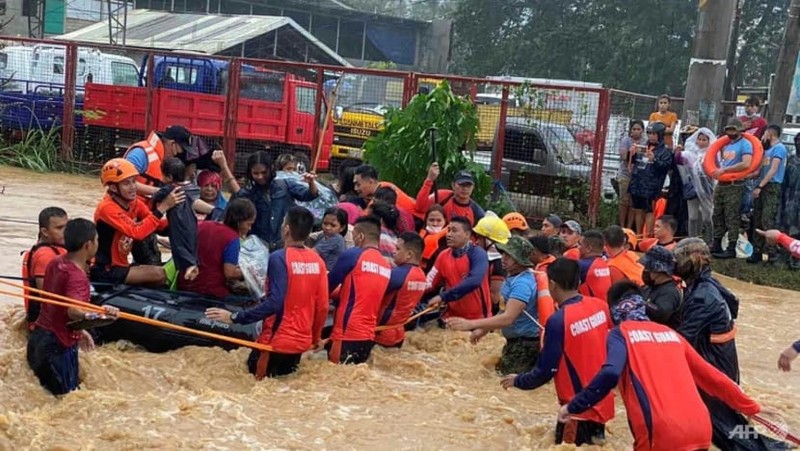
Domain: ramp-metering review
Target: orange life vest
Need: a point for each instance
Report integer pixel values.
(544, 301)
(29, 279)
(154, 149)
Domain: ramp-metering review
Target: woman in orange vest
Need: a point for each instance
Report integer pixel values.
(433, 235)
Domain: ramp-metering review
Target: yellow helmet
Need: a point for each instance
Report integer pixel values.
(492, 228)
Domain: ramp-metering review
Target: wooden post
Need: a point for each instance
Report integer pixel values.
(784, 73)
(706, 80)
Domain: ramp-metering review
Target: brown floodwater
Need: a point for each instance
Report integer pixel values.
(438, 392)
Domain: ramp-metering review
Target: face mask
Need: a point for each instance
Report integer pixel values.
(434, 229)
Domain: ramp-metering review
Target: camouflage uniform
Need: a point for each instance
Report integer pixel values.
(519, 356)
(765, 212)
(727, 209)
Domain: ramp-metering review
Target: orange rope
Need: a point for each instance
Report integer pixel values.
(412, 318)
(69, 302)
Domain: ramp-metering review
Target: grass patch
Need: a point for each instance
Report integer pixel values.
(38, 151)
(776, 275)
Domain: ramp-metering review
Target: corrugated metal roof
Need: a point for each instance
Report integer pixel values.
(207, 33)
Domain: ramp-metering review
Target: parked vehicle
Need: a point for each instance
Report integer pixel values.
(32, 83)
(275, 110)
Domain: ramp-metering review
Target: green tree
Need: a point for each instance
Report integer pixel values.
(401, 151)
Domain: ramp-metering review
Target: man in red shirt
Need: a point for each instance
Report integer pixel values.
(658, 374)
(456, 202)
(595, 275)
(406, 287)
(363, 274)
(752, 122)
(295, 306)
(462, 269)
(574, 350)
(50, 244)
(53, 345)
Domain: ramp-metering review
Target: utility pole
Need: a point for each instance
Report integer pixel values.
(706, 81)
(787, 60)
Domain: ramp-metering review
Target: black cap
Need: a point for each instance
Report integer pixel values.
(464, 177)
(180, 135)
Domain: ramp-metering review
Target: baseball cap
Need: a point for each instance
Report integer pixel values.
(180, 135)
(734, 123)
(555, 220)
(463, 177)
(658, 259)
(574, 226)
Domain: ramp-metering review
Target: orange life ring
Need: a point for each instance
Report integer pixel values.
(710, 161)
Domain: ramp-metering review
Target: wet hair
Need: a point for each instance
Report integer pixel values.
(666, 97)
(614, 236)
(621, 290)
(557, 245)
(300, 221)
(78, 232)
(594, 238)
(753, 101)
(669, 220)
(341, 216)
(174, 168)
(387, 214)
(346, 173)
(636, 122)
(433, 208)
(48, 213)
(775, 129)
(238, 211)
(463, 220)
(284, 159)
(385, 195)
(257, 158)
(370, 226)
(541, 243)
(413, 242)
(366, 171)
(565, 272)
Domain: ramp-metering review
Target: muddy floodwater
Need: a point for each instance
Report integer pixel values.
(438, 392)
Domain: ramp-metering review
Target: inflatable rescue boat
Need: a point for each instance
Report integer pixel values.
(175, 307)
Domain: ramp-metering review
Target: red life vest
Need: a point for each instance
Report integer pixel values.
(677, 416)
(212, 238)
(154, 149)
(360, 298)
(305, 305)
(625, 265)
(597, 280)
(32, 308)
(545, 304)
(397, 306)
(586, 326)
(432, 247)
(572, 253)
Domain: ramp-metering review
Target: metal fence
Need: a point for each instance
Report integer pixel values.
(544, 143)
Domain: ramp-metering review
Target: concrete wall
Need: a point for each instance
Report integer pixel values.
(18, 25)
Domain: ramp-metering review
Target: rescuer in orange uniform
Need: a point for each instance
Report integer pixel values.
(295, 306)
(122, 219)
(658, 374)
(595, 275)
(574, 350)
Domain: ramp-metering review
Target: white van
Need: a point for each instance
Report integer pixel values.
(40, 69)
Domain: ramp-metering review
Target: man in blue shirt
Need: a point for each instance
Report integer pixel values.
(519, 321)
(736, 156)
(767, 193)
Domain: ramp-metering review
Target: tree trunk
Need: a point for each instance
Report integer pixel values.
(784, 73)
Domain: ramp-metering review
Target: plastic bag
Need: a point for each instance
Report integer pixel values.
(254, 261)
(743, 247)
(327, 196)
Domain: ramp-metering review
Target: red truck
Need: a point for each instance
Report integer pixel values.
(275, 110)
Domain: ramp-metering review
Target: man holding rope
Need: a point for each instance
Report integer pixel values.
(53, 345)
